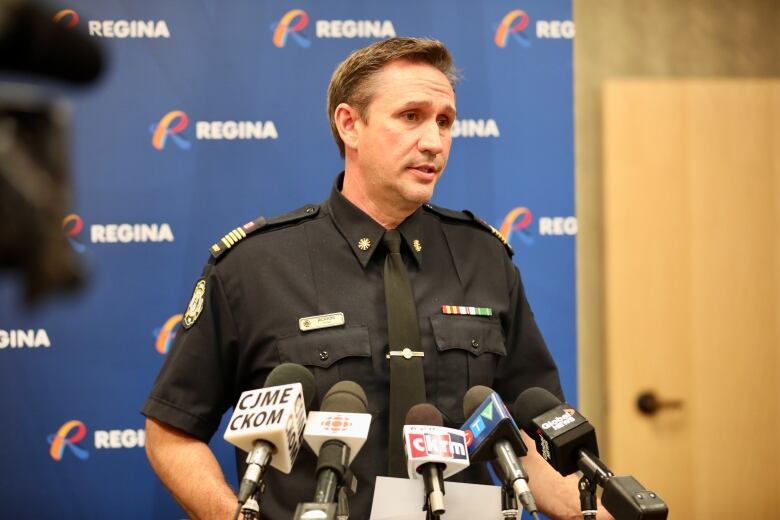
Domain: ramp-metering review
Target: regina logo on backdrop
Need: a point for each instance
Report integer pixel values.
(164, 336)
(171, 125)
(71, 438)
(68, 18)
(126, 233)
(174, 123)
(514, 29)
(67, 437)
(72, 226)
(291, 24)
(517, 223)
(295, 22)
(115, 28)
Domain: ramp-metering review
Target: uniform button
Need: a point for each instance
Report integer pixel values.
(475, 343)
(324, 355)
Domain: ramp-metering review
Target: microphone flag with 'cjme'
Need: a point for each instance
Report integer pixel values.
(276, 415)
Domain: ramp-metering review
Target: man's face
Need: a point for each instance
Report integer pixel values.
(404, 144)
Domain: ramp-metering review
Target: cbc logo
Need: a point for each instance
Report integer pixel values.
(336, 424)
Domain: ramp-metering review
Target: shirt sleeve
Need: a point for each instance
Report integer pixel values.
(528, 362)
(195, 384)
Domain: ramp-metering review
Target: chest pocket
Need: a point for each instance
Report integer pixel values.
(469, 350)
(332, 355)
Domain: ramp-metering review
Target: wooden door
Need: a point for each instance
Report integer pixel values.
(692, 275)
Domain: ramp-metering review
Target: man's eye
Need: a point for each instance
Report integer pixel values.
(410, 116)
(444, 122)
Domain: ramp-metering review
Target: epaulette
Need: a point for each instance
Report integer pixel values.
(468, 216)
(238, 234)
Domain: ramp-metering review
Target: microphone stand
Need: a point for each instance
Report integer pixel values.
(594, 473)
(508, 503)
(346, 489)
(587, 498)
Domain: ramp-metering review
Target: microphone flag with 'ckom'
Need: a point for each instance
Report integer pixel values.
(276, 415)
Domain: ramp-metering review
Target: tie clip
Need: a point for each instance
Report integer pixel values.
(407, 353)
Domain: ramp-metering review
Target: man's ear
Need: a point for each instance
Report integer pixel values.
(347, 120)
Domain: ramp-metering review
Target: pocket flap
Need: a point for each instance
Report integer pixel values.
(475, 334)
(322, 348)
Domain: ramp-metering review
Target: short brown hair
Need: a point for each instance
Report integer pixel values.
(351, 81)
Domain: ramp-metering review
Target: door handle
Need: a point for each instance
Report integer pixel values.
(649, 404)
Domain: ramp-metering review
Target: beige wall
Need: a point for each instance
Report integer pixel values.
(646, 38)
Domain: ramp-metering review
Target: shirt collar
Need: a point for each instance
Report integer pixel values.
(364, 234)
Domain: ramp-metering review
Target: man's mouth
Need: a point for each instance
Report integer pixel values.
(425, 168)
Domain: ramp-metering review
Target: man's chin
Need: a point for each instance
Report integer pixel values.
(419, 195)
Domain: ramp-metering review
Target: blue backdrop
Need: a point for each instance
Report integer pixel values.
(152, 193)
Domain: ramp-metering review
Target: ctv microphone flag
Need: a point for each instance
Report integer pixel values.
(276, 415)
(491, 420)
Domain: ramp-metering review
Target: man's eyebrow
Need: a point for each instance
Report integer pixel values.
(427, 103)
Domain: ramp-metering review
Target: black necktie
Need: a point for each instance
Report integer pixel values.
(407, 382)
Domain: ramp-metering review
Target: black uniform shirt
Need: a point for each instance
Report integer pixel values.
(315, 261)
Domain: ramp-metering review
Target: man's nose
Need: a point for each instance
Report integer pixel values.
(430, 139)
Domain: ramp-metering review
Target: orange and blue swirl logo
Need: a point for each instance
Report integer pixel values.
(68, 18)
(291, 24)
(164, 336)
(72, 226)
(513, 24)
(68, 436)
(171, 125)
(518, 220)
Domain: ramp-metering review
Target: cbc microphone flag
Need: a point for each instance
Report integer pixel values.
(349, 428)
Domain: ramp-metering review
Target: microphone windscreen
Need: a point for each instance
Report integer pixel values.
(424, 414)
(532, 403)
(345, 397)
(289, 373)
(473, 398)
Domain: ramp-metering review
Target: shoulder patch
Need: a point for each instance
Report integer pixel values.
(468, 216)
(236, 235)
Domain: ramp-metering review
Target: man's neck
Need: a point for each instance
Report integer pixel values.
(386, 215)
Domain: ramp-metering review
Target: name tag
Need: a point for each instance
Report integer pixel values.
(322, 321)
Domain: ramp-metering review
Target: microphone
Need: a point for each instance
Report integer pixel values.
(492, 434)
(31, 43)
(433, 452)
(567, 441)
(336, 434)
(268, 423)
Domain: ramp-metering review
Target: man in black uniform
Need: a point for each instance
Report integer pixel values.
(391, 106)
